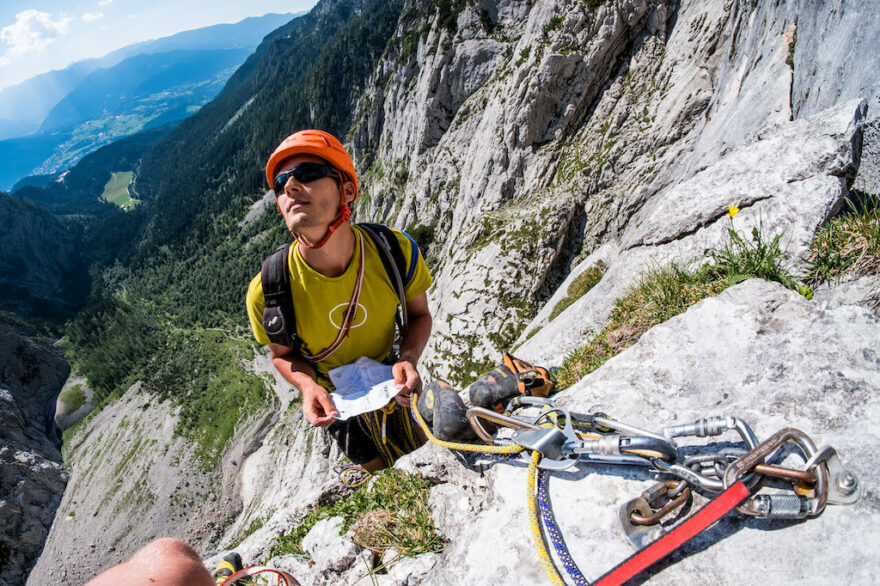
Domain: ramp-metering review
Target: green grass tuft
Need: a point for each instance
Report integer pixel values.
(660, 294)
(73, 398)
(740, 259)
(579, 287)
(664, 292)
(848, 246)
(389, 511)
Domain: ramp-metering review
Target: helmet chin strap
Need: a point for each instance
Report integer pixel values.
(341, 219)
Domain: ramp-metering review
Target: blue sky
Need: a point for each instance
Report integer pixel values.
(37, 36)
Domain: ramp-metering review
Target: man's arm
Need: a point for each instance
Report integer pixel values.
(318, 409)
(411, 348)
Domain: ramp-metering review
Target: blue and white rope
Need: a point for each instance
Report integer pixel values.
(553, 532)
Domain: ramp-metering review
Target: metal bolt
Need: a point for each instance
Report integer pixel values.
(847, 482)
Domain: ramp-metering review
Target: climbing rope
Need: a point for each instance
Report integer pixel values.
(554, 444)
(352, 475)
(261, 575)
(553, 532)
(535, 522)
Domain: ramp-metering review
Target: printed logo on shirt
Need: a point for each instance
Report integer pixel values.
(337, 314)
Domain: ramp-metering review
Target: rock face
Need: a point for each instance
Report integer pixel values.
(31, 476)
(527, 136)
(132, 479)
(829, 69)
(759, 352)
(813, 158)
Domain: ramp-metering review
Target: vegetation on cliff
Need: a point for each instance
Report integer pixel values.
(666, 291)
(168, 305)
(391, 511)
(848, 246)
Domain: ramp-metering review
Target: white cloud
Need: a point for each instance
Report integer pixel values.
(33, 31)
(90, 16)
(105, 2)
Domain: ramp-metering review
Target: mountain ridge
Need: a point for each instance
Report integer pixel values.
(102, 100)
(531, 141)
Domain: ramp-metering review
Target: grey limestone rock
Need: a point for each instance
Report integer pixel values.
(133, 479)
(864, 291)
(812, 159)
(330, 551)
(759, 352)
(32, 478)
(834, 58)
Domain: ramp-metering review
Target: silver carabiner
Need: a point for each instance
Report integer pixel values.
(763, 506)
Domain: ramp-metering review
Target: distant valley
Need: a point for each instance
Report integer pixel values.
(94, 103)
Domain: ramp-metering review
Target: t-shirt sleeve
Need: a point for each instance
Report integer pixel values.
(421, 278)
(255, 305)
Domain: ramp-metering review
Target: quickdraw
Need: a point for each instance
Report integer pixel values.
(559, 439)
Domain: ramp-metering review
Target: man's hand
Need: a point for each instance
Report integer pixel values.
(405, 374)
(318, 409)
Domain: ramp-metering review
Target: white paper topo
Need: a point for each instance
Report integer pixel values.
(362, 386)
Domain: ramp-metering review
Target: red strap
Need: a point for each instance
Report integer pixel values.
(697, 523)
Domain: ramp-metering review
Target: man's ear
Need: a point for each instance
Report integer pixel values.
(348, 191)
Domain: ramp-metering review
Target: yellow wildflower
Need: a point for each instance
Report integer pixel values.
(732, 211)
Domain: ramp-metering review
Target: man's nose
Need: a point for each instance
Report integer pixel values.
(292, 185)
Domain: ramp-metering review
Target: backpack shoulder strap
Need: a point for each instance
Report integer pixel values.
(279, 318)
(388, 243)
(395, 265)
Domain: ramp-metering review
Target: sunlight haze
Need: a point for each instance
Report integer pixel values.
(36, 37)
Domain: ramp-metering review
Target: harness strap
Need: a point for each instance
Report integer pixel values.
(391, 431)
(392, 260)
(279, 316)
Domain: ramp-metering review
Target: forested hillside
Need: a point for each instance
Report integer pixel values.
(615, 160)
(190, 257)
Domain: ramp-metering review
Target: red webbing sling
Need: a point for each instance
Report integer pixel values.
(697, 523)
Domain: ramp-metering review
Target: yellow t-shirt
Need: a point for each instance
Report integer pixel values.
(320, 303)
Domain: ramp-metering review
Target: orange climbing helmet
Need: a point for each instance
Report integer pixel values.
(313, 142)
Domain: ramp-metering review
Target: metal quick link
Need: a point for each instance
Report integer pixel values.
(778, 506)
(713, 426)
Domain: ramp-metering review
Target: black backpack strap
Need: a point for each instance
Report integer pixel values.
(279, 318)
(395, 265)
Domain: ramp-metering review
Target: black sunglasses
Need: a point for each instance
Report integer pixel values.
(305, 173)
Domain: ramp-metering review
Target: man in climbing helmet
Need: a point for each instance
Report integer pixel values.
(302, 159)
(339, 297)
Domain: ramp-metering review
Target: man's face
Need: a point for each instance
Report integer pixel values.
(308, 205)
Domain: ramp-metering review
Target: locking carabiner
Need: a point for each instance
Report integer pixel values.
(781, 506)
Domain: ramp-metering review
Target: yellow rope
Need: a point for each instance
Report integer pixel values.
(535, 522)
(363, 477)
(532, 487)
(511, 449)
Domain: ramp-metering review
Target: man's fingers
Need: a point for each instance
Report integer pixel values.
(327, 405)
(399, 372)
(318, 408)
